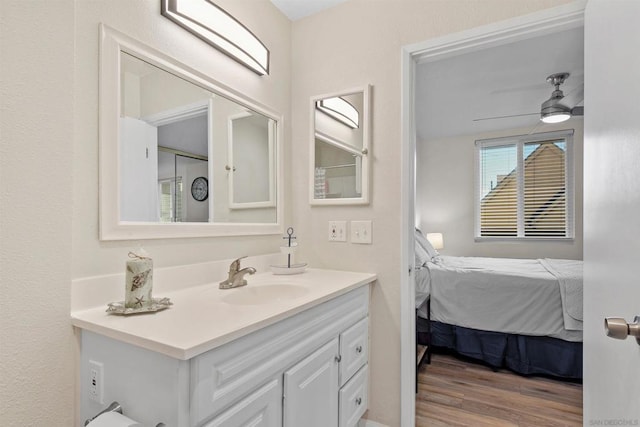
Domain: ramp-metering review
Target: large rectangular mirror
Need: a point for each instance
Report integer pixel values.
(340, 148)
(180, 154)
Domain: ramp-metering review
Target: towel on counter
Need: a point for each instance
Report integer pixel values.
(569, 275)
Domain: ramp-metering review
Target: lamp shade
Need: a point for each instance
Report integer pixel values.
(436, 240)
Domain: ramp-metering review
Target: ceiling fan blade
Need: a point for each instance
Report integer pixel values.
(574, 97)
(535, 128)
(506, 117)
(577, 111)
(522, 88)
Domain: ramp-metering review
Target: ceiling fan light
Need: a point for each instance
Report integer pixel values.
(555, 117)
(552, 111)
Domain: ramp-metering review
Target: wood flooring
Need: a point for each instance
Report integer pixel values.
(455, 392)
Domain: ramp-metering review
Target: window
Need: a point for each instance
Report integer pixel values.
(525, 186)
(170, 199)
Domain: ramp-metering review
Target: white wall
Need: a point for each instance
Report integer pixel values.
(49, 171)
(445, 184)
(350, 45)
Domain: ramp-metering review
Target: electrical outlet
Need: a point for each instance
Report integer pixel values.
(361, 232)
(96, 381)
(337, 231)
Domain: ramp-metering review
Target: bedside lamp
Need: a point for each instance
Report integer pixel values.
(436, 240)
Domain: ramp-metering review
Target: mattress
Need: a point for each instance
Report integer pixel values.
(515, 296)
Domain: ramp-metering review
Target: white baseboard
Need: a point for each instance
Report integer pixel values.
(368, 423)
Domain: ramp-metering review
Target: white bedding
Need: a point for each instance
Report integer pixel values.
(423, 289)
(569, 276)
(519, 296)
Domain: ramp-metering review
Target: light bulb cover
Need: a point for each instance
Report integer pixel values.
(555, 117)
(218, 28)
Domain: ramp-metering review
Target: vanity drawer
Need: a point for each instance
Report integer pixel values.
(354, 349)
(354, 398)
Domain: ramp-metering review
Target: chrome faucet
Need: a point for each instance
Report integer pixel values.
(236, 276)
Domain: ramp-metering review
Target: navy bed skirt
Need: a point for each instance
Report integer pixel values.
(527, 355)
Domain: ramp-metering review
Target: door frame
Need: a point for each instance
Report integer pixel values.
(519, 28)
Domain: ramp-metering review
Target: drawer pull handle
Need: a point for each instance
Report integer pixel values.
(359, 349)
(338, 358)
(358, 401)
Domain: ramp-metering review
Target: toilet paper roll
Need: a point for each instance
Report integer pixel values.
(113, 419)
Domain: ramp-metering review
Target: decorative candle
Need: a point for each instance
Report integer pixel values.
(139, 280)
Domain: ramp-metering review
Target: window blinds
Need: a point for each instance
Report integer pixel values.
(525, 187)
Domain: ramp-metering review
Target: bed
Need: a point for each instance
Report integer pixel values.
(523, 314)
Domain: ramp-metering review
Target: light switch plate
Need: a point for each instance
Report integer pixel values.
(361, 232)
(337, 231)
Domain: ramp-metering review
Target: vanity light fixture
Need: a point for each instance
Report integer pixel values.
(216, 27)
(341, 110)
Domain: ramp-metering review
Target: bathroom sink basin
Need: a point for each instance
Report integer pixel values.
(263, 294)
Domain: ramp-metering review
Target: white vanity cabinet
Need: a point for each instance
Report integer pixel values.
(308, 369)
(308, 352)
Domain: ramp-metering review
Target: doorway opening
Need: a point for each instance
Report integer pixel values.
(475, 42)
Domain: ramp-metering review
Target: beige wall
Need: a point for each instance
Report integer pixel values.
(445, 198)
(356, 43)
(36, 161)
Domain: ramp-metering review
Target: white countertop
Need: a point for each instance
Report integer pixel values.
(200, 320)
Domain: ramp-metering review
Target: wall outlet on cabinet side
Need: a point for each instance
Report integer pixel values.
(96, 381)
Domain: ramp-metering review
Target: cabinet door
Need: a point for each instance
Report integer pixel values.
(262, 408)
(311, 389)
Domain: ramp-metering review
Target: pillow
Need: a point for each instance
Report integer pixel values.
(422, 257)
(422, 241)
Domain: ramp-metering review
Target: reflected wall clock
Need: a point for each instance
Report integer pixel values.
(200, 189)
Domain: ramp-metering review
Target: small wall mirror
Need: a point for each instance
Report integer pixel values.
(180, 155)
(340, 147)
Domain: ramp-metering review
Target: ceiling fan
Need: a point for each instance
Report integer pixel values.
(553, 110)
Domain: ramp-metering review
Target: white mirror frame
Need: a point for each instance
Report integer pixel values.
(112, 43)
(365, 123)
